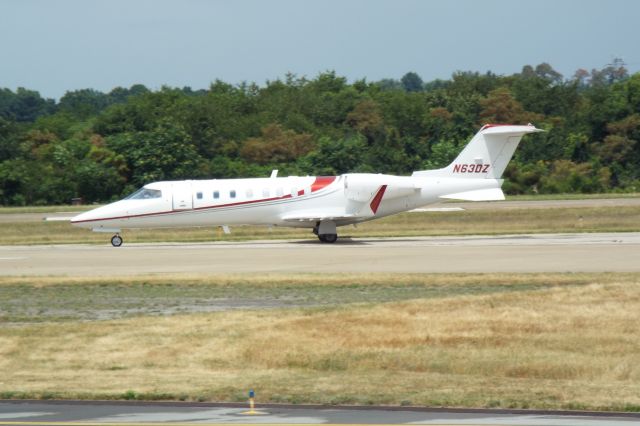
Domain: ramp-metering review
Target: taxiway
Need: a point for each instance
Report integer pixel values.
(602, 252)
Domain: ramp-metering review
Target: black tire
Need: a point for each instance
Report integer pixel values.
(116, 240)
(328, 238)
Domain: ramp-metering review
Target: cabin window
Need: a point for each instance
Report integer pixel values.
(144, 194)
(266, 193)
(199, 195)
(249, 193)
(279, 192)
(232, 193)
(216, 194)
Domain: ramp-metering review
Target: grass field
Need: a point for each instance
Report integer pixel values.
(496, 340)
(46, 209)
(500, 221)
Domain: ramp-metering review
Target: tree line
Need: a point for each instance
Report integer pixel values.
(101, 146)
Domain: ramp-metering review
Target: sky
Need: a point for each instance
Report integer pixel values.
(62, 45)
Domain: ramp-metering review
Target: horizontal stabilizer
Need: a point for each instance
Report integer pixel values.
(490, 194)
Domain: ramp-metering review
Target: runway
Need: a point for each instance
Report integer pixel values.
(602, 252)
(105, 413)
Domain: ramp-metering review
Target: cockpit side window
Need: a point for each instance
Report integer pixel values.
(144, 194)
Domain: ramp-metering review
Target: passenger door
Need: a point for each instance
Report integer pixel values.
(182, 195)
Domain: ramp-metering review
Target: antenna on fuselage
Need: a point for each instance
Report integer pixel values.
(274, 173)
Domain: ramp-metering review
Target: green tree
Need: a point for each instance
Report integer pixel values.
(276, 145)
(442, 154)
(83, 103)
(164, 153)
(24, 105)
(333, 157)
(565, 177)
(411, 82)
(501, 107)
(9, 144)
(367, 119)
(98, 145)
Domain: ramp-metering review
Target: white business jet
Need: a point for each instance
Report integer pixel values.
(321, 203)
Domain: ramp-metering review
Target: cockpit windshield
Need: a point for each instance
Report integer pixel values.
(144, 194)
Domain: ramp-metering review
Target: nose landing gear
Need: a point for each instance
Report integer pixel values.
(116, 240)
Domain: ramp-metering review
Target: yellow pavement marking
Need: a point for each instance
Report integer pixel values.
(253, 413)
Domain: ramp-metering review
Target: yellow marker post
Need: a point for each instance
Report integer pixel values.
(252, 404)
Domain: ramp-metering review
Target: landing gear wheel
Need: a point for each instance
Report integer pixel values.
(116, 240)
(328, 238)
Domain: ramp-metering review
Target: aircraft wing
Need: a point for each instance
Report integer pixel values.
(317, 216)
(58, 218)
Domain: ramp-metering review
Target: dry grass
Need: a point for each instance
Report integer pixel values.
(574, 346)
(501, 221)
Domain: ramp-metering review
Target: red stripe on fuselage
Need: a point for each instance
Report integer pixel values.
(320, 183)
(375, 203)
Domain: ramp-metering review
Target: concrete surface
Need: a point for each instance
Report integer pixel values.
(604, 252)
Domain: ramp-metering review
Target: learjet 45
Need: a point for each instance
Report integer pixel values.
(321, 203)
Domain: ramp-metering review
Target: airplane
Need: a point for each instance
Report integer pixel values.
(321, 203)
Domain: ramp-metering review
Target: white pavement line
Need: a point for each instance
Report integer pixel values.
(23, 414)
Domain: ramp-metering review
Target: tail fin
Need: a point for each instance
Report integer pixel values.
(486, 155)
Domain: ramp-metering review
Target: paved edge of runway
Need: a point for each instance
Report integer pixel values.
(345, 240)
(516, 411)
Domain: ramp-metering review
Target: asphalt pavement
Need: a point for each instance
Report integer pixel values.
(87, 413)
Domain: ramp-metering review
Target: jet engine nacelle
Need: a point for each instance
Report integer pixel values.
(361, 188)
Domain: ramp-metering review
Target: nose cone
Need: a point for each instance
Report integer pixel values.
(86, 219)
(96, 218)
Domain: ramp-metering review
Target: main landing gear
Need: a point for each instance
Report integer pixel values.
(328, 238)
(326, 231)
(116, 240)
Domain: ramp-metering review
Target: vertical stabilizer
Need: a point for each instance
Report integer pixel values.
(486, 155)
